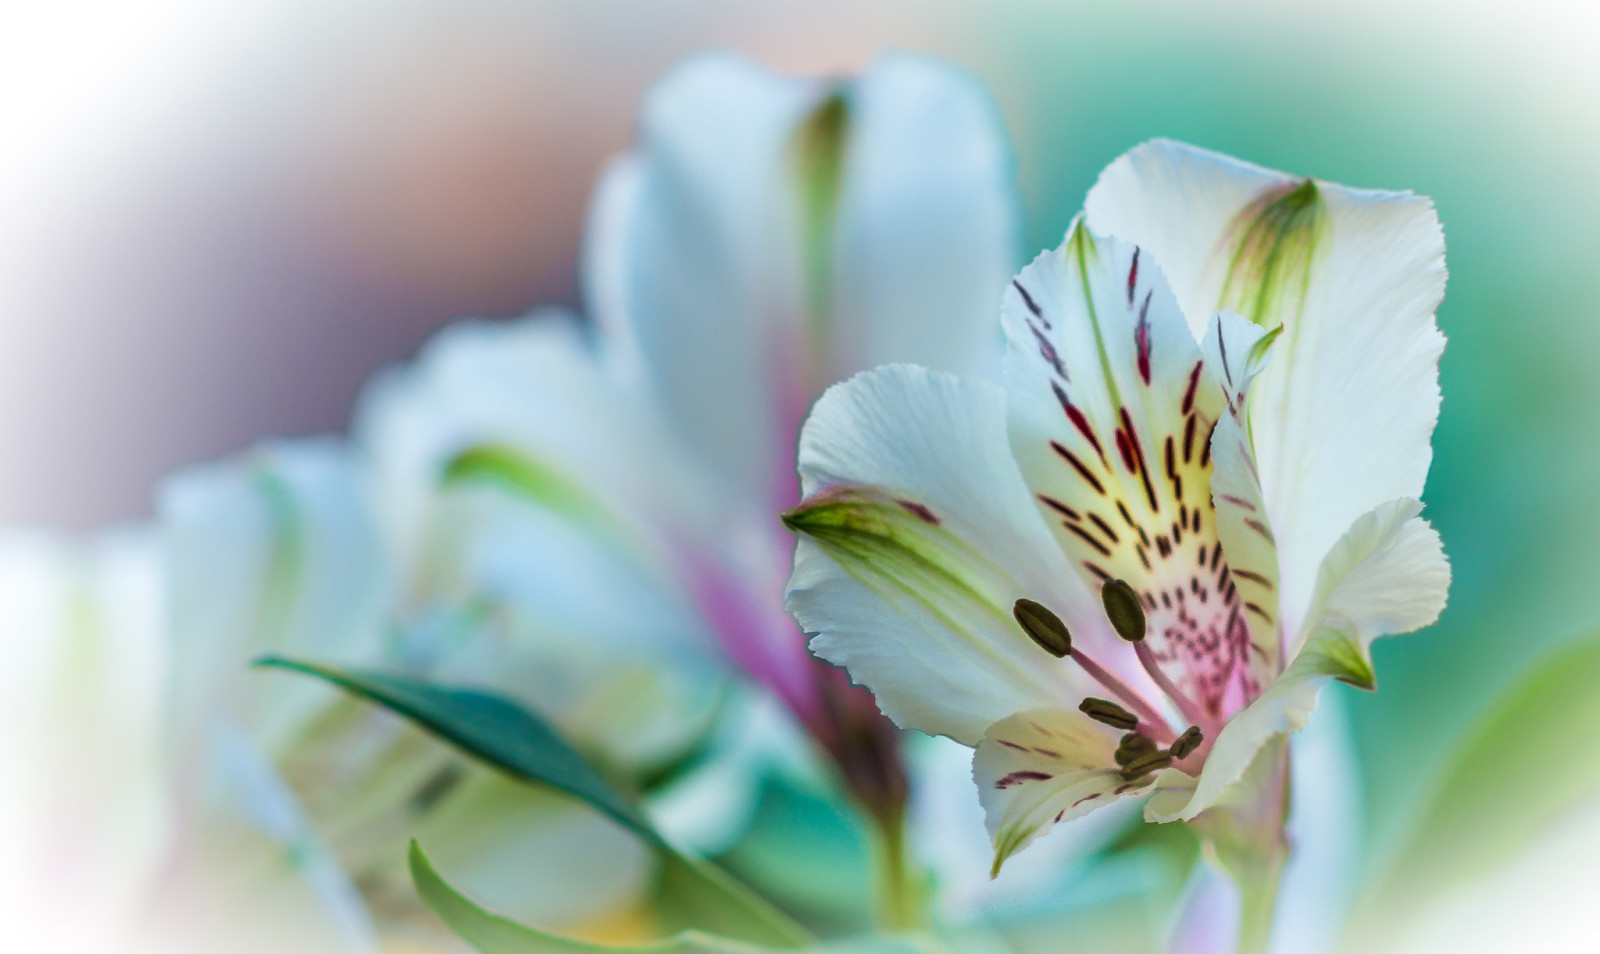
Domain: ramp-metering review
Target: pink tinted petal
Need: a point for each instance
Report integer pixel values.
(755, 633)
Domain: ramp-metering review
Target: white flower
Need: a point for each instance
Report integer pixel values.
(1232, 416)
(765, 236)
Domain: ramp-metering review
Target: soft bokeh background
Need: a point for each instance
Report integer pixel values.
(217, 219)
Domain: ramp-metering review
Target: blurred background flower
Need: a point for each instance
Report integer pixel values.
(219, 220)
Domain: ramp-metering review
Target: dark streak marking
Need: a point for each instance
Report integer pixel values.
(1238, 502)
(1253, 577)
(1077, 465)
(1188, 439)
(1105, 528)
(1265, 616)
(1188, 394)
(920, 511)
(1084, 535)
(1260, 528)
(1133, 275)
(1078, 420)
(1222, 348)
(1059, 507)
(1102, 575)
(1048, 352)
(1141, 338)
(1027, 299)
(1024, 775)
(1125, 448)
(1144, 471)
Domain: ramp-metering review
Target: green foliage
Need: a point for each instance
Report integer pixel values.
(501, 733)
(493, 934)
(1533, 756)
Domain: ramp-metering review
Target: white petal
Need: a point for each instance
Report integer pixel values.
(276, 551)
(1387, 574)
(602, 457)
(1341, 420)
(917, 603)
(928, 221)
(1038, 768)
(85, 808)
(769, 235)
(582, 561)
(691, 255)
(1249, 547)
(946, 821)
(1110, 407)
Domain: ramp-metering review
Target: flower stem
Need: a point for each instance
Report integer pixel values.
(898, 900)
(1258, 903)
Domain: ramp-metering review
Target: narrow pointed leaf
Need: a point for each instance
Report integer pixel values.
(493, 934)
(496, 730)
(486, 726)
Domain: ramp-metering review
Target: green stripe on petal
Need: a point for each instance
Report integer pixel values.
(526, 474)
(917, 536)
(883, 541)
(1275, 247)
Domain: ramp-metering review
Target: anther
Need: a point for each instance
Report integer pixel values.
(1102, 710)
(1043, 627)
(1146, 764)
(1187, 742)
(1123, 609)
(1134, 746)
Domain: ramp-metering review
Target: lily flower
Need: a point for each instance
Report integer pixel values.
(1129, 571)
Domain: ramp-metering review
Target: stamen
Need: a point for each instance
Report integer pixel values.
(1134, 746)
(1144, 765)
(1186, 743)
(1103, 710)
(1124, 610)
(1043, 627)
(1147, 659)
(1152, 722)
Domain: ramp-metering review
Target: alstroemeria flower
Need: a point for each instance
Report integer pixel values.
(1200, 478)
(765, 236)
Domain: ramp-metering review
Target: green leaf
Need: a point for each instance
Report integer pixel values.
(497, 731)
(488, 727)
(1532, 756)
(493, 934)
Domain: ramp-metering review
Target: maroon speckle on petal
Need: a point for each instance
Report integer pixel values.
(920, 511)
(1024, 775)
